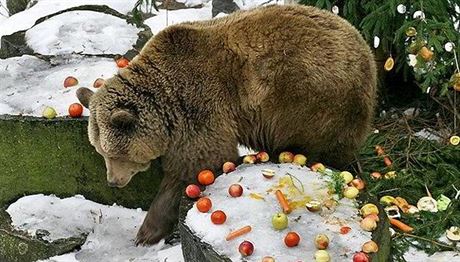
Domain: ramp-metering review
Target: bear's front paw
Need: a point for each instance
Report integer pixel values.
(149, 234)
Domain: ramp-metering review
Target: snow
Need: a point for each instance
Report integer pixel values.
(158, 22)
(415, 255)
(30, 84)
(245, 210)
(26, 19)
(83, 32)
(110, 229)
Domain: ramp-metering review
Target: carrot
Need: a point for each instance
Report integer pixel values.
(387, 161)
(238, 232)
(400, 225)
(283, 202)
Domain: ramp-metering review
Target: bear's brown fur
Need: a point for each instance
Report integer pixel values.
(274, 78)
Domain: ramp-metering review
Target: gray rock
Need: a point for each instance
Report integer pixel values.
(16, 6)
(223, 6)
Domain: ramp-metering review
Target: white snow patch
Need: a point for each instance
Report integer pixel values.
(30, 84)
(111, 229)
(84, 32)
(415, 255)
(245, 210)
(158, 22)
(26, 19)
(429, 134)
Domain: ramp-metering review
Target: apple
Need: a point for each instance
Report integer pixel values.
(387, 200)
(374, 217)
(235, 190)
(98, 83)
(318, 167)
(70, 81)
(360, 257)
(368, 224)
(262, 156)
(292, 239)
(300, 159)
(249, 159)
(246, 248)
(321, 241)
(313, 206)
(122, 62)
(286, 157)
(192, 191)
(376, 175)
(49, 112)
(368, 209)
(279, 221)
(350, 192)
(228, 167)
(75, 110)
(358, 183)
(370, 247)
(347, 176)
(218, 217)
(268, 173)
(322, 256)
(268, 259)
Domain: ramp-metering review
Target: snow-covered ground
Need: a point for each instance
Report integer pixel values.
(30, 84)
(246, 210)
(82, 32)
(111, 230)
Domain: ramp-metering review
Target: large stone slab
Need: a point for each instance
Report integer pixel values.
(55, 157)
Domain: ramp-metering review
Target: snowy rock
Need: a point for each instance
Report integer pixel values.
(82, 32)
(247, 210)
(26, 19)
(110, 229)
(29, 84)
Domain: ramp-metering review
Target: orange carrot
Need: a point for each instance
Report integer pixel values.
(387, 161)
(400, 225)
(283, 202)
(238, 232)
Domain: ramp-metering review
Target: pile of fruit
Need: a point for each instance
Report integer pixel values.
(76, 109)
(296, 202)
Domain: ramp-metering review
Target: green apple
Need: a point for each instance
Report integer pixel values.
(322, 256)
(49, 112)
(350, 192)
(347, 176)
(279, 221)
(300, 159)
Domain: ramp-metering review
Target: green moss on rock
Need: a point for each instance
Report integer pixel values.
(55, 157)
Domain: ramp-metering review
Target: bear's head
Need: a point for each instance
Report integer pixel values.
(123, 128)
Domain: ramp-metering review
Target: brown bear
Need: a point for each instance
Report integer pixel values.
(273, 78)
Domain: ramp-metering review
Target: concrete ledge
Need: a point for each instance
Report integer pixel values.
(55, 157)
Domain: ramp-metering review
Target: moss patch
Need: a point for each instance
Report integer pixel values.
(55, 157)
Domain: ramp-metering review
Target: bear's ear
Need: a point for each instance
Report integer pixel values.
(122, 118)
(84, 95)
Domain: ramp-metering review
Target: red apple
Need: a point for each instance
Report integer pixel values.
(358, 183)
(75, 110)
(360, 257)
(246, 248)
(70, 81)
(98, 83)
(228, 167)
(286, 157)
(249, 159)
(218, 217)
(122, 62)
(292, 239)
(263, 156)
(235, 190)
(192, 191)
